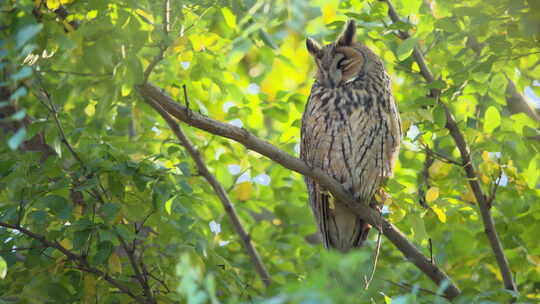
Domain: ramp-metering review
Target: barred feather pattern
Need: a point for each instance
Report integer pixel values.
(352, 131)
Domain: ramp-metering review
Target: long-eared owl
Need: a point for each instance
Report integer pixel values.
(351, 130)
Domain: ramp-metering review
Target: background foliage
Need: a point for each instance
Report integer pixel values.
(244, 62)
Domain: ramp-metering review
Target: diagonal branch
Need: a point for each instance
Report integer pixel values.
(79, 260)
(218, 189)
(468, 166)
(153, 94)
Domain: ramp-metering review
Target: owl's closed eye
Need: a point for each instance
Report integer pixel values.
(340, 62)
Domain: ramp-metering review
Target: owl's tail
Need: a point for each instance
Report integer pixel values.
(340, 228)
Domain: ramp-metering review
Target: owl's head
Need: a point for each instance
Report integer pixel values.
(341, 61)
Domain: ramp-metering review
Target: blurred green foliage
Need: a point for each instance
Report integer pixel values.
(244, 62)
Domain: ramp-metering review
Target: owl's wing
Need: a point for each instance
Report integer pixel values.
(394, 138)
(324, 145)
(318, 200)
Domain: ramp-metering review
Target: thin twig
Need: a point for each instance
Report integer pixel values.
(430, 250)
(167, 17)
(218, 189)
(77, 73)
(163, 44)
(409, 287)
(153, 95)
(468, 166)
(375, 260)
(45, 98)
(147, 291)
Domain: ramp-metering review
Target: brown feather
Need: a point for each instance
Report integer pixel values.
(350, 129)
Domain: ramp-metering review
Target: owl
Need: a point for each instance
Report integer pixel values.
(351, 130)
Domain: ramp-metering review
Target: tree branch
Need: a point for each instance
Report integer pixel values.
(79, 260)
(218, 189)
(153, 94)
(140, 277)
(468, 166)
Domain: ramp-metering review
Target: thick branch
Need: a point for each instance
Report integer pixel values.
(152, 93)
(81, 261)
(218, 189)
(468, 166)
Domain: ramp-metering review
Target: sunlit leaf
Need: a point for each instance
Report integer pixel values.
(405, 48)
(492, 119)
(3, 268)
(441, 215)
(115, 264)
(432, 194)
(244, 190)
(532, 173)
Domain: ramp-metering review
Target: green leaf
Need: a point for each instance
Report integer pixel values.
(169, 204)
(492, 119)
(185, 186)
(532, 173)
(418, 227)
(439, 117)
(17, 139)
(109, 211)
(267, 39)
(230, 18)
(3, 268)
(405, 49)
(448, 24)
(437, 84)
(522, 120)
(184, 167)
(58, 205)
(27, 33)
(410, 7)
(104, 250)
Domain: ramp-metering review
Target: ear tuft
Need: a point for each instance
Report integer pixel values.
(348, 37)
(313, 47)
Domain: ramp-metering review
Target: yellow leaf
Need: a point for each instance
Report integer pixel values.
(439, 169)
(179, 44)
(440, 214)
(115, 265)
(126, 90)
(77, 211)
(89, 288)
(485, 179)
(432, 194)
(66, 243)
(469, 196)
(168, 204)
(146, 15)
(495, 271)
(328, 13)
(230, 18)
(90, 109)
(68, 26)
(243, 191)
(53, 4)
(485, 156)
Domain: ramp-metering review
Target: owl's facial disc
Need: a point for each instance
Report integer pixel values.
(339, 65)
(340, 62)
(352, 63)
